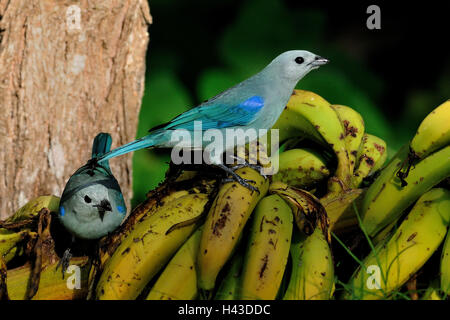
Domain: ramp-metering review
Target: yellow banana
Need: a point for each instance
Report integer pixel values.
(301, 168)
(312, 275)
(385, 200)
(148, 247)
(51, 285)
(268, 249)
(33, 207)
(224, 223)
(433, 133)
(445, 266)
(354, 131)
(405, 252)
(371, 157)
(178, 281)
(230, 286)
(308, 114)
(306, 208)
(156, 199)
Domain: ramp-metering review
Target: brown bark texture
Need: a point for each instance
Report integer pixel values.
(68, 70)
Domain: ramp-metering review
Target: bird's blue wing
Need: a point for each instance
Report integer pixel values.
(218, 115)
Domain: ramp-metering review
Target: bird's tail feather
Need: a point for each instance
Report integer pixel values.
(142, 143)
(102, 144)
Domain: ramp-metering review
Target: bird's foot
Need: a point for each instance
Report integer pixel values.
(237, 178)
(64, 262)
(242, 163)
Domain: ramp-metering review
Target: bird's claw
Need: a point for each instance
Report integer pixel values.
(255, 167)
(243, 182)
(64, 261)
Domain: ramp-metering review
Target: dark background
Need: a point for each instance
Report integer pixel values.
(394, 76)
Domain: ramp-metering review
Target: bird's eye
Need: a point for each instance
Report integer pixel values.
(87, 199)
(299, 60)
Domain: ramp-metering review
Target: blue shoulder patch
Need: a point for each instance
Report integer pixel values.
(62, 211)
(121, 209)
(252, 104)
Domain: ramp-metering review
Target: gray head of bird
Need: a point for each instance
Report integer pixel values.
(295, 64)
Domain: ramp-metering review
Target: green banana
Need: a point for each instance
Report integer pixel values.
(308, 114)
(405, 252)
(230, 286)
(9, 242)
(445, 266)
(148, 247)
(432, 292)
(371, 157)
(385, 200)
(178, 281)
(312, 275)
(354, 131)
(32, 208)
(301, 168)
(268, 249)
(224, 223)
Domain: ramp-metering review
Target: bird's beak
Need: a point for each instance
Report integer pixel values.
(319, 61)
(103, 207)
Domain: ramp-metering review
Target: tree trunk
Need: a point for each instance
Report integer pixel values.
(68, 70)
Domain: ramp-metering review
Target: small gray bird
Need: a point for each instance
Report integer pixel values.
(92, 203)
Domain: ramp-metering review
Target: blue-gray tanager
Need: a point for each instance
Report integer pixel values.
(255, 103)
(92, 204)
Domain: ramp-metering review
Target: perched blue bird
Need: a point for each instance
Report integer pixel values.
(255, 103)
(92, 204)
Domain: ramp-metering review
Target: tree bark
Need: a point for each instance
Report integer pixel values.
(68, 70)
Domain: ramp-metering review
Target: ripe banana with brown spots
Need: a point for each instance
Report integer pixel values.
(267, 250)
(406, 251)
(148, 247)
(223, 226)
(354, 131)
(386, 199)
(301, 168)
(309, 115)
(371, 157)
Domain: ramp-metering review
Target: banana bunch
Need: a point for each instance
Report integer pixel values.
(391, 193)
(406, 251)
(197, 238)
(148, 247)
